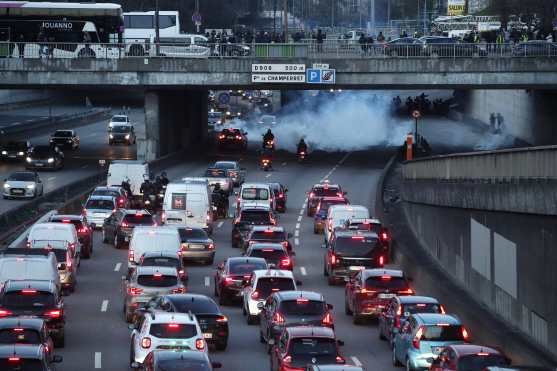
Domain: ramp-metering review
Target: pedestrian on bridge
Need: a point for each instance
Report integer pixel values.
(320, 37)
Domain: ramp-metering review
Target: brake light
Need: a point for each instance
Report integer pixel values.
(18, 330)
(228, 280)
(311, 194)
(255, 295)
(442, 309)
(281, 195)
(66, 221)
(417, 338)
(146, 343)
(302, 301)
(82, 230)
(173, 325)
(157, 275)
(384, 236)
(238, 137)
(179, 290)
(181, 273)
(285, 262)
(163, 216)
(222, 319)
(482, 354)
(381, 260)
(200, 344)
(134, 291)
(407, 291)
(221, 136)
(465, 334)
(443, 325)
(278, 318)
(365, 291)
(28, 244)
(72, 246)
(124, 225)
(13, 359)
(333, 259)
(284, 244)
(69, 264)
(120, 201)
(57, 313)
(28, 292)
(328, 319)
(399, 311)
(287, 359)
(385, 278)
(130, 256)
(4, 313)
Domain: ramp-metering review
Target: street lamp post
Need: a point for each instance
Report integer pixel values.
(157, 28)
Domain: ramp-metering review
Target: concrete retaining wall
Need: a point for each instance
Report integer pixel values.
(507, 260)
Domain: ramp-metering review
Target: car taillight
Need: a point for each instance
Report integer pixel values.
(334, 259)
(28, 244)
(397, 321)
(146, 343)
(278, 318)
(179, 290)
(281, 195)
(285, 262)
(384, 235)
(163, 217)
(222, 319)
(124, 225)
(72, 246)
(327, 320)
(14, 360)
(406, 292)
(381, 260)
(57, 313)
(69, 264)
(365, 291)
(134, 291)
(29, 292)
(340, 360)
(255, 295)
(5, 313)
(465, 334)
(228, 280)
(19, 329)
(311, 194)
(83, 230)
(200, 344)
(221, 136)
(287, 359)
(417, 338)
(211, 246)
(130, 256)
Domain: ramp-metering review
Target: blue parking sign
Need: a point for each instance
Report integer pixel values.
(313, 76)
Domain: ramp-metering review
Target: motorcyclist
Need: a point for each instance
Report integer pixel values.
(302, 146)
(164, 179)
(267, 154)
(126, 186)
(147, 188)
(220, 198)
(268, 137)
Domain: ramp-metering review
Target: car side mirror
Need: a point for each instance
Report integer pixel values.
(298, 283)
(260, 305)
(57, 359)
(216, 364)
(340, 343)
(330, 306)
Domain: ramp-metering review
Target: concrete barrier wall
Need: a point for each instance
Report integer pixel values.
(507, 260)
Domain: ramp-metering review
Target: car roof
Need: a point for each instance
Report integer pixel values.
(245, 259)
(295, 294)
(377, 272)
(466, 349)
(167, 271)
(107, 188)
(263, 228)
(41, 285)
(225, 163)
(103, 197)
(266, 245)
(22, 350)
(66, 217)
(172, 317)
(255, 185)
(353, 233)
(23, 322)
(332, 198)
(411, 299)
(435, 318)
(22, 172)
(325, 185)
(162, 254)
(310, 331)
(260, 273)
(155, 230)
(165, 354)
(189, 297)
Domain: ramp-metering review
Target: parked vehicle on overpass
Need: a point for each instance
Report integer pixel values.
(139, 29)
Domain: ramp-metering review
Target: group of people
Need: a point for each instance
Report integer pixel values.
(151, 186)
(421, 103)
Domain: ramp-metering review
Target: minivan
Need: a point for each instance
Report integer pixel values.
(146, 239)
(255, 192)
(55, 232)
(188, 203)
(15, 265)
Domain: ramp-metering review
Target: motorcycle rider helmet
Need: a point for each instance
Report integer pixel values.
(151, 176)
(163, 174)
(216, 187)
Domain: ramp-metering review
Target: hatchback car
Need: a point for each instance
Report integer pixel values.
(44, 157)
(67, 260)
(195, 245)
(145, 283)
(400, 308)
(333, 367)
(232, 274)
(37, 299)
(232, 139)
(320, 214)
(292, 308)
(122, 197)
(248, 217)
(268, 234)
(118, 227)
(369, 291)
(23, 184)
(300, 346)
(25, 330)
(164, 259)
(275, 254)
(84, 231)
(468, 357)
(322, 190)
(98, 208)
(424, 336)
(212, 321)
(166, 360)
(18, 357)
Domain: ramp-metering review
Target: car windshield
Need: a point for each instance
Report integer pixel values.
(192, 234)
(243, 267)
(41, 151)
(100, 204)
(204, 306)
(160, 261)
(324, 205)
(139, 219)
(255, 194)
(215, 115)
(268, 253)
(76, 222)
(27, 299)
(475, 362)
(19, 336)
(119, 119)
(355, 245)
(225, 165)
(326, 191)
(155, 280)
(302, 307)
(267, 285)
(22, 177)
(268, 236)
(361, 226)
(215, 173)
(105, 192)
(386, 282)
(62, 133)
(255, 216)
(21, 364)
(313, 346)
(409, 309)
(172, 330)
(121, 129)
(181, 364)
(443, 333)
(17, 146)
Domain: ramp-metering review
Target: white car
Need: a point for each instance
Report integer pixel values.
(267, 120)
(163, 330)
(98, 208)
(262, 284)
(23, 184)
(118, 120)
(255, 192)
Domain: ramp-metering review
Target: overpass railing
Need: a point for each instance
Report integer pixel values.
(310, 49)
(533, 163)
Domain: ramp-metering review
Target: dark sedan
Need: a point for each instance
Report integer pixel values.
(45, 157)
(232, 274)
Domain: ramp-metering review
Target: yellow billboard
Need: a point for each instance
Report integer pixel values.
(456, 7)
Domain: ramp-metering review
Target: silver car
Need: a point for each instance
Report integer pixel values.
(98, 208)
(233, 169)
(23, 184)
(196, 244)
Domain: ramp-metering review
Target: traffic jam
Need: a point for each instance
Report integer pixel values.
(173, 326)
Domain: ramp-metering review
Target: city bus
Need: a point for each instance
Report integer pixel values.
(140, 29)
(48, 29)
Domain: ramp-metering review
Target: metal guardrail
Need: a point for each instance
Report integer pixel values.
(535, 163)
(308, 49)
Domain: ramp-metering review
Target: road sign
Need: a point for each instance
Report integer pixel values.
(196, 18)
(282, 78)
(320, 66)
(278, 68)
(416, 114)
(321, 76)
(224, 98)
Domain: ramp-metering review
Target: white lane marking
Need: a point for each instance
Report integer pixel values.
(302, 212)
(297, 233)
(92, 135)
(117, 267)
(344, 158)
(296, 241)
(207, 281)
(268, 176)
(356, 361)
(303, 271)
(220, 224)
(297, 225)
(104, 306)
(98, 360)
(51, 178)
(300, 217)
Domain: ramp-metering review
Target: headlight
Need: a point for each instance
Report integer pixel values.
(31, 186)
(28, 159)
(266, 104)
(51, 140)
(50, 160)
(111, 136)
(127, 136)
(219, 122)
(4, 152)
(228, 113)
(20, 153)
(6, 185)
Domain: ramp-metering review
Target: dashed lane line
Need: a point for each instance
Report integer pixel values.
(98, 360)
(300, 217)
(220, 224)
(297, 225)
(207, 281)
(296, 241)
(117, 267)
(303, 271)
(297, 233)
(356, 361)
(104, 306)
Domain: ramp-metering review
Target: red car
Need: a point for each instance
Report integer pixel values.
(84, 231)
(299, 346)
(322, 190)
(468, 357)
(370, 290)
(232, 139)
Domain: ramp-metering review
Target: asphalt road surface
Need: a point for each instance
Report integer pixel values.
(80, 163)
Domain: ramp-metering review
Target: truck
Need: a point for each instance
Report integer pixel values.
(133, 171)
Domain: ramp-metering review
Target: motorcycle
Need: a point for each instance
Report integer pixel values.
(269, 144)
(266, 163)
(150, 202)
(301, 156)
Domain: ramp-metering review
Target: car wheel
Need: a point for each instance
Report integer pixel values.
(105, 240)
(408, 365)
(347, 310)
(395, 361)
(132, 353)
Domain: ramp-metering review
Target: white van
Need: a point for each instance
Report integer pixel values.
(135, 171)
(29, 267)
(188, 203)
(255, 192)
(42, 232)
(146, 239)
(338, 214)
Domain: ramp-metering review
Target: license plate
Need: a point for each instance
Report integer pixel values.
(207, 335)
(356, 267)
(39, 164)
(386, 296)
(196, 247)
(17, 191)
(229, 137)
(11, 156)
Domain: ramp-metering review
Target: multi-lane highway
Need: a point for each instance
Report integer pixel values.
(80, 163)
